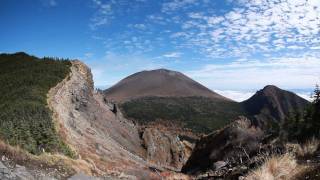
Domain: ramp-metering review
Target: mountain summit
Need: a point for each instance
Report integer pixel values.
(159, 83)
(273, 103)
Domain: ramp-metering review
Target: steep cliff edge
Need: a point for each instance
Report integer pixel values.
(92, 130)
(105, 139)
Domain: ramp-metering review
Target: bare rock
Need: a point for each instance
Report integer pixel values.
(22, 173)
(5, 173)
(164, 148)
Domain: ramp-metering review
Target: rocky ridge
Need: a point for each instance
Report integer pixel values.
(106, 140)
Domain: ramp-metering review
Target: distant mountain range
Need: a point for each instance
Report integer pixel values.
(163, 94)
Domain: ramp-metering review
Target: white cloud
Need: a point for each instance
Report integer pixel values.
(255, 26)
(238, 96)
(285, 72)
(172, 55)
(49, 3)
(305, 95)
(176, 4)
(88, 55)
(138, 26)
(103, 14)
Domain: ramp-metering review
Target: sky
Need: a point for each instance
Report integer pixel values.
(233, 47)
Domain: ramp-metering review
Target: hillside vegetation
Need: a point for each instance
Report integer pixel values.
(303, 126)
(200, 114)
(25, 119)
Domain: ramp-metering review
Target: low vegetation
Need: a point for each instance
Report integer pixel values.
(59, 164)
(307, 149)
(276, 167)
(306, 125)
(25, 119)
(200, 114)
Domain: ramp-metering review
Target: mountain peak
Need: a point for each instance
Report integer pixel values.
(160, 83)
(267, 87)
(271, 90)
(274, 103)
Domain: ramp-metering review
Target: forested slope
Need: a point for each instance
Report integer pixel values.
(25, 119)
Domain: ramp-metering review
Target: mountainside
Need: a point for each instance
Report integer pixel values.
(170, 96)
(200, 114)
(25, 119)
(273, 104)
(159, 83)
(163, 95)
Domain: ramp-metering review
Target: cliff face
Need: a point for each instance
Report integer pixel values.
(105, 139)
(164, 148)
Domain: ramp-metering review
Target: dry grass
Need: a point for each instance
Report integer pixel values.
(276, 168)
(64, 165)
(306, 149)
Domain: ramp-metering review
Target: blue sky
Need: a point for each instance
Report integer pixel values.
(232, 46)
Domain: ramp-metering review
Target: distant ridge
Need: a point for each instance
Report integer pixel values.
(159, 83)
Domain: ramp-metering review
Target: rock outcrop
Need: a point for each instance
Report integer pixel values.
(164, 148)
(235, 142)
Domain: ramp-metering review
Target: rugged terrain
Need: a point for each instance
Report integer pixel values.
(110, 142)
(171, 124)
